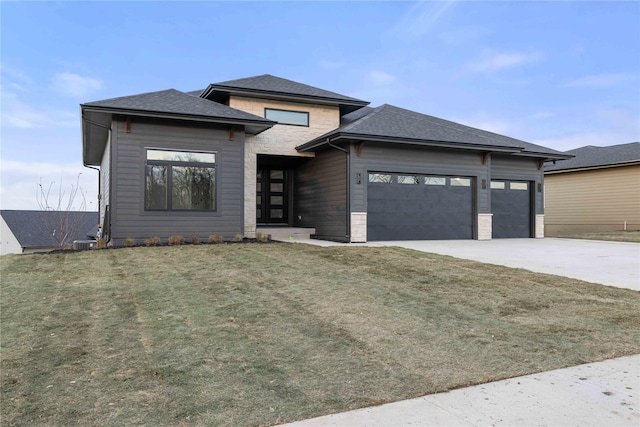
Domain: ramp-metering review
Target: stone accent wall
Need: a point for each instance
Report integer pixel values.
(485, 226)
(279, 140)
(358, 227)
(539, 227)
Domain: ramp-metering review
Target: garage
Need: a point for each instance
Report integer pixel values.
(511, 208)
(419, 207)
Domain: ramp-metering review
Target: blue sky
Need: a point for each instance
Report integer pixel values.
(559, 74)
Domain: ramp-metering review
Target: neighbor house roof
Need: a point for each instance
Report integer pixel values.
(168, 103)
(279, 88)
(393, 124)
(598, 157)
(36, 229)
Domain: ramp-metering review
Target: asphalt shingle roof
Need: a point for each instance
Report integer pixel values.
(36, 228)
(175, 102)
(273, 84)
(592, 156)
(388, 121)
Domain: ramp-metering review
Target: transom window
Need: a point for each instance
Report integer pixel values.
(180, 180)
(287, 117)
(383, 178)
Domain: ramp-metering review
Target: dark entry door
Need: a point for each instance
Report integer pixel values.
(271, 196)
(511, 208)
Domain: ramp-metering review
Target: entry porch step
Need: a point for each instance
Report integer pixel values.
(287, 233)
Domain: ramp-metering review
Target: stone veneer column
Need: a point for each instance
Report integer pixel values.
(358, 227)
(250, 167)
(539, 226)
(485, 226)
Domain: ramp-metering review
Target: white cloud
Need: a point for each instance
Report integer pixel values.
(421, 17)
(501, 61)
(17, 114)
(380, 77)
(600, 80)
(20, 183)
(577, 140)
(75, 85)
(15, 79)
(499, 126)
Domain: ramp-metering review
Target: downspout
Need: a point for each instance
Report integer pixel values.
(109, 129)
(348, 207)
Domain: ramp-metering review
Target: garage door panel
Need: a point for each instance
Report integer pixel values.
(511, 210)
(419, 211)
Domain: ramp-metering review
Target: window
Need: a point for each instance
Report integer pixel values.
(180, 181)
(497, 185)
(408, 179)
(460, 182)
(286, 117)
(380, 177)
(435, 180)
(519, 185)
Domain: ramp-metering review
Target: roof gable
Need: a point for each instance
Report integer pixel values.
(36, 228)
(394, 123)
(592, 156)
(270, 86)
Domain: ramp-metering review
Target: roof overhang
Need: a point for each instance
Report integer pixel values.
(219, 93)
(339, 138)
(96, 123)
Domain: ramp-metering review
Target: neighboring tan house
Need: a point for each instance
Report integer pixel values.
(264, 151)
(597, 190)
(23, 232)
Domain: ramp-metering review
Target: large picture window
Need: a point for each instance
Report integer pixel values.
(180, 181)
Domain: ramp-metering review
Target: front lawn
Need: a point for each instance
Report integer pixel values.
(613, 236)
(260, 334)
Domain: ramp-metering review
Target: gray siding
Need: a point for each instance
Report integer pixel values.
(406, 159)
(105, 179)
(320, 194)
(523, 169)
(128, 216)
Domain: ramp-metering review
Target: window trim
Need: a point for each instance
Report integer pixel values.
(306, 113)
(169, 183)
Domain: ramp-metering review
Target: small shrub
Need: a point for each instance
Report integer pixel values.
(216, 238)
(101, 244)
(195, 240)
(129, 242)
(176, 240)
(237, 238)
(152, 241)
(262, 237)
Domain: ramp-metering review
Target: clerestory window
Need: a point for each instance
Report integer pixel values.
(180, 180)
(286, 117)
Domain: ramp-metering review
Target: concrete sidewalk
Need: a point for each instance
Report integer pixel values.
(592, 395)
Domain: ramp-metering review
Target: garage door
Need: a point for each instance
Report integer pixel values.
(511, 208)
(418, 207)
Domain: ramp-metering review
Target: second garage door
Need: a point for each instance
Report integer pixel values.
(511, 208)
(419, 207)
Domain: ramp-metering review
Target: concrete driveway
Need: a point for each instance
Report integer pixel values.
(608, 263)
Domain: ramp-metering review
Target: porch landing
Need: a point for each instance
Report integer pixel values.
(286, 233)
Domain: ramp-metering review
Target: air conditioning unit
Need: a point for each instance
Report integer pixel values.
(81, 245)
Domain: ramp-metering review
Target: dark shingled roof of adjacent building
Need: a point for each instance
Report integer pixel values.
(35, 229)
(591, 156)
(391, 123)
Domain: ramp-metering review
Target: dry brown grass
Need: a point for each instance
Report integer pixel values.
(614, 236)
(259, 334)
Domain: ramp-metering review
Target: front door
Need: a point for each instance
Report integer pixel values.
(271, 196)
